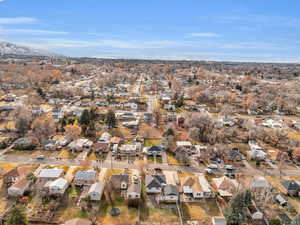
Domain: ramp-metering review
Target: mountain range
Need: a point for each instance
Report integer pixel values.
(7, 48)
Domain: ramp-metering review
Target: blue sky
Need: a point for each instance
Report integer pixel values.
(236, 30)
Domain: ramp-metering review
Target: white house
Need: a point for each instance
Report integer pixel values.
(184, 144)
(134, 190)
(169, 107)
(206, 188)
(58, 186)
(260, 183)
(96, 190)
(80, 144)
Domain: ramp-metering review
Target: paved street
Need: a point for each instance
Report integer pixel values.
(122, 165)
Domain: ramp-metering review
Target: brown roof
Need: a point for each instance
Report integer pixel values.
(188, 181)
(21, 183)
(78, 221)
(225, 183)
(18, 171)
(192, 182)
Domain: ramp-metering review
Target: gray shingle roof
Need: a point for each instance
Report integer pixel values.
(155, 180)
(88, 175)
(171, 189)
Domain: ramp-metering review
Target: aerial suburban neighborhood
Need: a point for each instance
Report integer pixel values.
(95, 141)
(158, 112)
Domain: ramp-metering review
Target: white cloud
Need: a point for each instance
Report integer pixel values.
(255, 45)
(204, 35)
(17, 20)
(29, 31)
(52, 43)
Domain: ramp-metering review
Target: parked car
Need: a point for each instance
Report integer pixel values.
(229, 167)
(230, 175)
(209, 171)
(213, 166)
(40, 157)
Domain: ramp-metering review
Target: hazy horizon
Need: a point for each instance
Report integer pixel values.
(169, 30)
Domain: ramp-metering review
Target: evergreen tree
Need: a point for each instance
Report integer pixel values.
(110, 119)
(16, 216)
(85, 118)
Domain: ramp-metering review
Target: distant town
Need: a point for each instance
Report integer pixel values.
(87, 141)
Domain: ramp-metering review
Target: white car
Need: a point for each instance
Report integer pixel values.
(228, 167)
(212, 166)
(209, 171)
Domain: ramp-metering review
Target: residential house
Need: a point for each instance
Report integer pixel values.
(87, 177)
(101, 147)
(133, 150)
(170, 107)
(131, 105)
(120, 181)
(58, 186)
(155, 183)
(234, 155)
(50, 174)
(290, 187)
(226, 187)
(257, 155)
(154, 150)
(206, 188)
(126, 116)
(260, 184)
(95, 192)
(19, 188)
(13, 175)
(256, 152)
(170, 193)
(61, 142)
(80, 144)
(184, 145)
(134, 189)
(190, 186)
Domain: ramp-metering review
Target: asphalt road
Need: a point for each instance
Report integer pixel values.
(104, 164)
(122, 165)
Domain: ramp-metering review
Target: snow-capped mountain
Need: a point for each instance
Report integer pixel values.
(14, 49)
